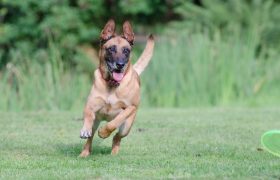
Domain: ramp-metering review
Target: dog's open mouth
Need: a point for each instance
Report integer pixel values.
(118, 76)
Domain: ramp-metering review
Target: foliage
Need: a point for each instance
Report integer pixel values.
(235, 16)
(208, 53)
(28, 25)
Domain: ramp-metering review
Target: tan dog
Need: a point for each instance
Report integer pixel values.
(115, 94)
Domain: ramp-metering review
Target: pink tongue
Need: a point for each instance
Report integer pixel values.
(118, 76)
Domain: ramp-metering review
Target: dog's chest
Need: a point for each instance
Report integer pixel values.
(112, 99)
(113, 105)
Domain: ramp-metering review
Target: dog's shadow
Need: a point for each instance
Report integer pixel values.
(73, 150)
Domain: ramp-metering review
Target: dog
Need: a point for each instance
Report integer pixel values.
(115, 94)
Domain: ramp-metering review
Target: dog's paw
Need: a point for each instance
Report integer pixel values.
(84, 153)
(84, 134)
(103, 132)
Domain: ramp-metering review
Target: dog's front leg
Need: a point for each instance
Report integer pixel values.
(87, 147)
(106, 130)
(90, 123)
(92, 106)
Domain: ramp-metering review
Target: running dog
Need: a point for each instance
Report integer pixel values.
(115, 94)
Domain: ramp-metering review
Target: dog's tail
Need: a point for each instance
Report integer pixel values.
(146, 56)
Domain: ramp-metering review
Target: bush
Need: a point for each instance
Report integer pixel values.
(28, 26)
(235, 17)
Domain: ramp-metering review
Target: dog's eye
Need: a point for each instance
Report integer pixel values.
(126, 51)
(111, 49)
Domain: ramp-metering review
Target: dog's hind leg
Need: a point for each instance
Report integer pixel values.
(87, 147)
(123, 131)
(106, 130)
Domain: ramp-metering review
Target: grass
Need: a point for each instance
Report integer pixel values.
(189, 69)
(164, 143)
(207, 71)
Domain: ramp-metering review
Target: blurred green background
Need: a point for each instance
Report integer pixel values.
(208, 52)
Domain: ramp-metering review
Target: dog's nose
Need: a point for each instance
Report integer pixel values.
(120, 64)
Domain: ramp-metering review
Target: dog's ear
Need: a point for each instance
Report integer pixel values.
(128, 32)
(108, 31)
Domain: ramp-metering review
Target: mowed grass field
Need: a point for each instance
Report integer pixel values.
(164, 143)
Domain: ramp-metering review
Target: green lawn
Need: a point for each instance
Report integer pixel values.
(164, 143)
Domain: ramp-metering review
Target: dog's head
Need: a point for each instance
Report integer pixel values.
(115, 51)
